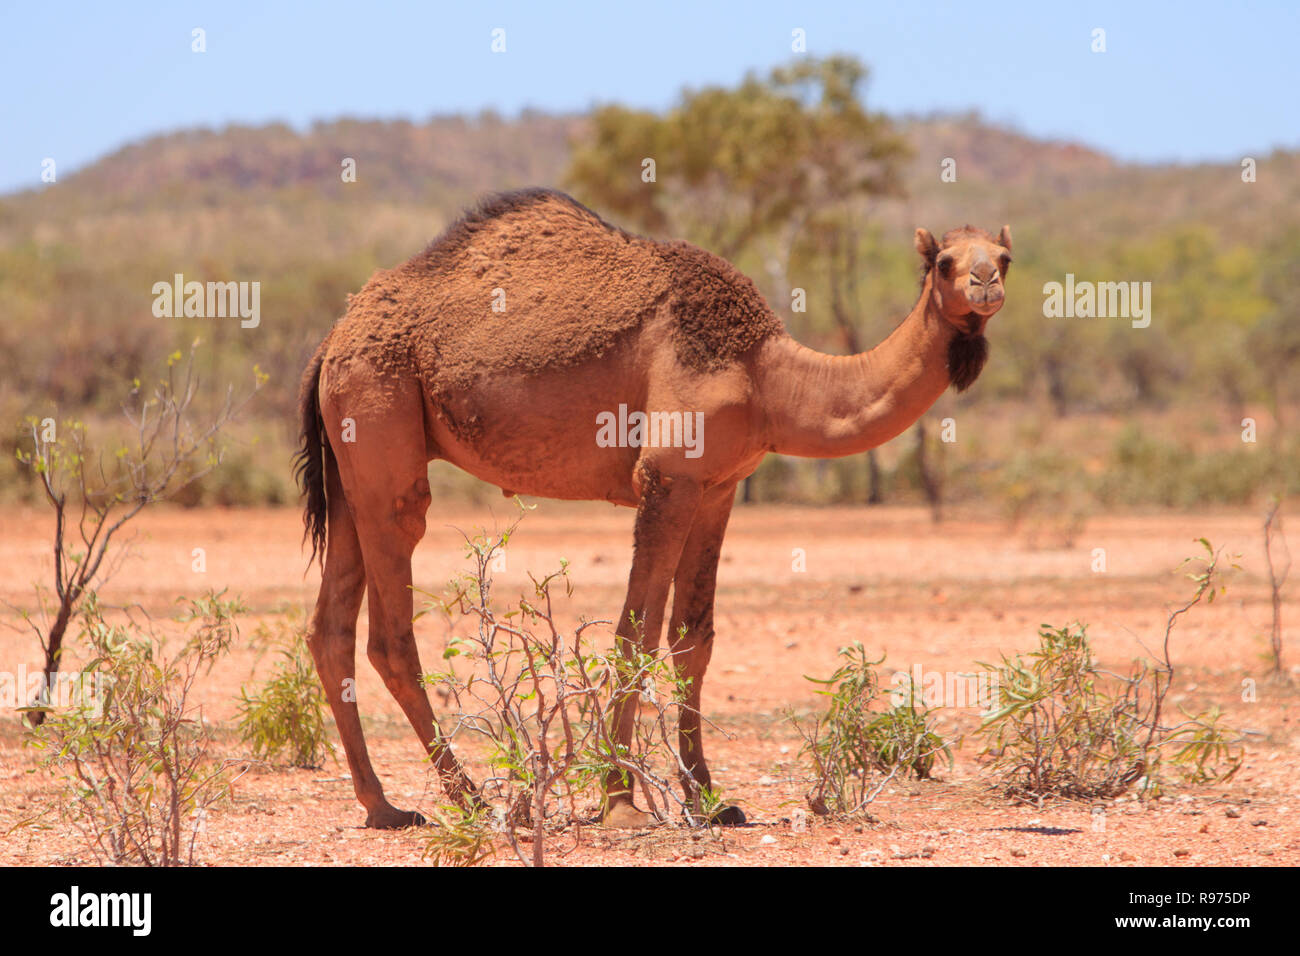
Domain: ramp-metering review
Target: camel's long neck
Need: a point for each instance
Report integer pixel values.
(828, 406)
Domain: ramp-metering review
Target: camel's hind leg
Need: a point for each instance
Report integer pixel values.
(384, 476)
(333, 638)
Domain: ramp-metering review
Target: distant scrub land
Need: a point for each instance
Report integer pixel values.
(1072, 415)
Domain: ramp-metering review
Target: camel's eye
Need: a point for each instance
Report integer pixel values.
(945, 266)
(1004, 263)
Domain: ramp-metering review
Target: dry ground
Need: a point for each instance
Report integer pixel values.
(939, 596)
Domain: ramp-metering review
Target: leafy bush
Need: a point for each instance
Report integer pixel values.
(1064, 727)
(460, 836)
(286, 718)
(855, 749)
(135, 764)
(535, 705)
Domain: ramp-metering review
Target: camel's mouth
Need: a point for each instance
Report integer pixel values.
(985, 305)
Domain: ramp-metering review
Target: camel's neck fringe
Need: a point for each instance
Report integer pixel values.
(828, 406)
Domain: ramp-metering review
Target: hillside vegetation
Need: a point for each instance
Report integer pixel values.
(1072, 413)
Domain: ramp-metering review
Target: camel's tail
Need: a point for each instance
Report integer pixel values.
(309, 470)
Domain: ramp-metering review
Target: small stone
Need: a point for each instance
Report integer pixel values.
(1127, 857)
(835, 841)
(697, 852)
(1259, 823)
(767, 840)
(1182, 852)
(844, 851)
(858, 828)
(1019, 853)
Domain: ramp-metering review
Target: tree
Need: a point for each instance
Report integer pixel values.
(784, 165)
(94, 495)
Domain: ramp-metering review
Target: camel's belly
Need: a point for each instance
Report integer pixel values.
(531, 449)
(578, 434)
(569, 485)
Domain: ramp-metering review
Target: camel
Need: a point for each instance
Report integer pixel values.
(504, 345)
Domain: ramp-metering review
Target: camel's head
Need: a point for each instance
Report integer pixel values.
(969, 268)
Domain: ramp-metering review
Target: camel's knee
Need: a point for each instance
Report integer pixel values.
(409, 509)
(339, 603)
(377, 653)
(692, 647)
(392, 659)
(335, 663)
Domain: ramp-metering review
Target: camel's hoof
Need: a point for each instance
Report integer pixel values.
(390, 818)
(728, 816)
(624, 816)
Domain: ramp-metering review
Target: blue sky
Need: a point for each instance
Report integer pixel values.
(1188, 81)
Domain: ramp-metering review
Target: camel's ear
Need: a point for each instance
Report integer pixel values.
(927, 247)
(1004, 238)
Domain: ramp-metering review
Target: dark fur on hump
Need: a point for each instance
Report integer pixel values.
(719, 313)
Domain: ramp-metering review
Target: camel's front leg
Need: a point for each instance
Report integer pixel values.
(690, 636)
(663, 519)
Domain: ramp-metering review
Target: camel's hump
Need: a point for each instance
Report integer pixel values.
(533, 279)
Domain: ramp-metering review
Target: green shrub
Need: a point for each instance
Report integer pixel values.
(135, 764)
(530, 706)
(285, 720)
(1064, 727)
(855, 748)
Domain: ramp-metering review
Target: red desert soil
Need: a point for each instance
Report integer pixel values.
(939, 596)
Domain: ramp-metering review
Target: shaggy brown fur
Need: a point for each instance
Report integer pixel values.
(967, 353)
(438, 305)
